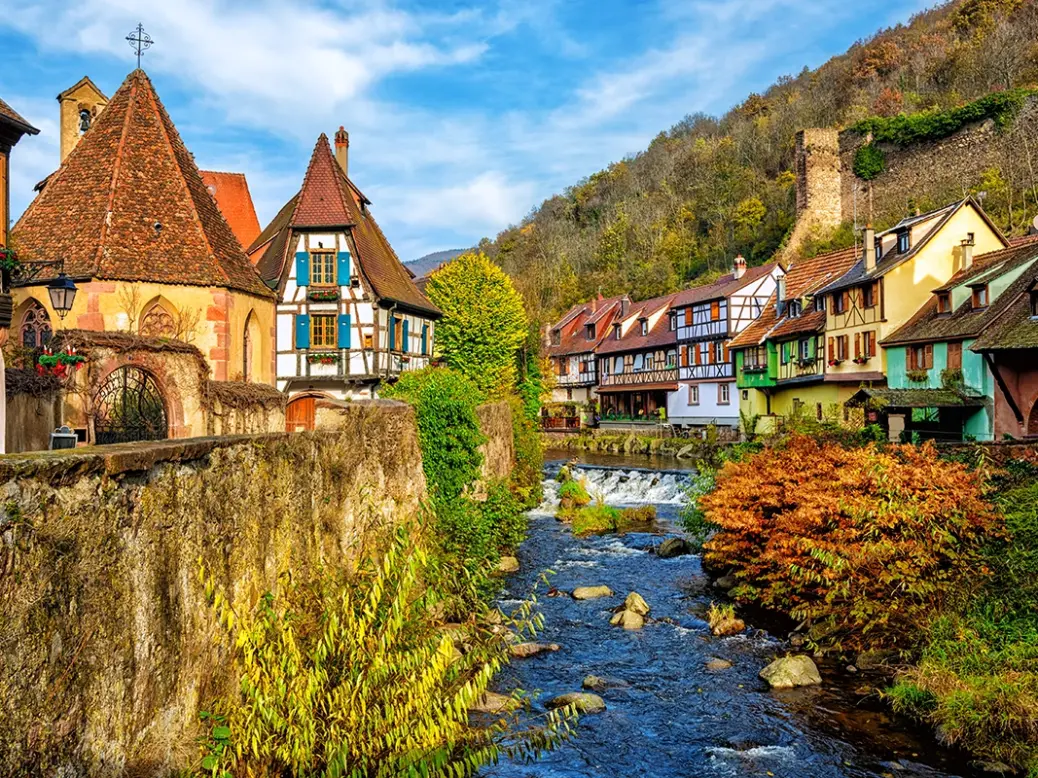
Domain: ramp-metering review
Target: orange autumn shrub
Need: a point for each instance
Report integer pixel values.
(863, 545)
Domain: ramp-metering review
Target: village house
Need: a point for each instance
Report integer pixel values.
(637, 365)
(937, 386)
(707, 318)
(779, 357)
(1009, 346)
(128, 219)
(571, 344)
(349, 315)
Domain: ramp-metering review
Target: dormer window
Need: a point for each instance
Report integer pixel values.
(556, 338)
(644, 324)
(944, 303)
(673, 321)
(980, 296)
(795, 308)
(616, 331)
(820, 303)
(903, 242)
(589, 331)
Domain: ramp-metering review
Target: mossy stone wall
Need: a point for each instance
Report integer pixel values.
(108, 648)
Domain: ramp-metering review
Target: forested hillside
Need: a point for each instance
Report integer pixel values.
(710, 188)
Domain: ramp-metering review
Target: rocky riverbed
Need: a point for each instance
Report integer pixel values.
(679, 701)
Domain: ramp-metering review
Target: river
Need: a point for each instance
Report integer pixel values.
(673, 717)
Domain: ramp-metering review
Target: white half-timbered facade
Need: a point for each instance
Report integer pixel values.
(707, 318)
(571, 344)
(349, 316)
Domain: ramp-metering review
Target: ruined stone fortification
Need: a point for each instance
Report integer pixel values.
(109, 650)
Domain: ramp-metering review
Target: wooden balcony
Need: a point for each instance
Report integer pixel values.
(641, 377)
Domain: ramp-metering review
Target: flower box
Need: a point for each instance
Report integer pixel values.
(918, 376)
(323, 295)
(323, 358)
(861, 360)
(835, 362)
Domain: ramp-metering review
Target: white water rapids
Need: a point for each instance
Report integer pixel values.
(615, 486)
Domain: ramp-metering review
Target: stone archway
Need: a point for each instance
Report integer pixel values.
(129, 406)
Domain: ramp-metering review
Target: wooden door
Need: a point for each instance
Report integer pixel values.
(301, 414)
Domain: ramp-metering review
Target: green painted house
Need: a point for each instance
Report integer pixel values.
(937, 387)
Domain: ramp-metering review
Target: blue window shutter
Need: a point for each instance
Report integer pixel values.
(342, 270)
(392, 333)
(406, 345)
(303, 330)
(302, 268)
(344, 330)
(425, 338)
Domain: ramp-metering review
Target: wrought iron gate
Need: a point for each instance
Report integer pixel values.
(129, 406)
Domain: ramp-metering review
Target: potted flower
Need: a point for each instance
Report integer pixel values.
(322, 358)
(61, 364)
(860, 360)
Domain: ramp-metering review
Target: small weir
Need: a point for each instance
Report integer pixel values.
(668, 714)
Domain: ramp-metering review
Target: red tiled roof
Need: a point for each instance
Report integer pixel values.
(804, 277)
(572, 336)
(632, 340)
(328, 199)
(131, 172)
(11, 117)
(231, 192)
(723, 286)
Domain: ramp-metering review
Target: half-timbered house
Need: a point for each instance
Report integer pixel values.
(707, 318)
(349, 315)
(637, 365)
(572, 342)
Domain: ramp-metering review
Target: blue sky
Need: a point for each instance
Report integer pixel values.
(463, 116)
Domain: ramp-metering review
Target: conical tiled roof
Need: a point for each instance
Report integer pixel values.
(328, 199)
(129, 204)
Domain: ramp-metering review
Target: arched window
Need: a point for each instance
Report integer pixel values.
(157, 322)
(250, 342)
(36, 330)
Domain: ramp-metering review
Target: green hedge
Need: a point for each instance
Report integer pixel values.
(906, 129)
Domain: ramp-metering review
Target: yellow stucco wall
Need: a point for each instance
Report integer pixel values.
(784, 401)
(211, 318)
(906, 288)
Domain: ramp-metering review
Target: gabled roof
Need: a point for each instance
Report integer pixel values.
(804, 277)
(128, 204)
(929, 325)
(13, 120)
(231, 192)
(892, 259)
(329, 200)
(1011, 324)
(632, 340)
(572, 326)
(724, 286)
(84, 81)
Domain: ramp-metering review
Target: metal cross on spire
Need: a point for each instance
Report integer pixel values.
(139, 40)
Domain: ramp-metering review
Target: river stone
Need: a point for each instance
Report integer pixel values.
(524, 650)
(687, 451)
(635, 602)
(672, 547)
(629, 620)
(582, 701)
(725, 627)
(726, 582)
(591, 592)
(716, 665)
(596, 684)
(508, 564)
(492, 702)
(789, 672)
(996, 768)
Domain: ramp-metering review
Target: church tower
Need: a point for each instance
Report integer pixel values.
(80, 106)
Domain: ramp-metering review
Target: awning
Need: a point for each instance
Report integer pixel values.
(915, 398)
(638, 388)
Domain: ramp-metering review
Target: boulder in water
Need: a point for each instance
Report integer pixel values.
(726, 582)
(629, 620)
(524, 650)
(636, 603)
(687, 452)
(508, 564)
(492, 702)
(789, 672)
(596, 684)
(582, 701)
(672, 547)
(591, 592)
(715, 665)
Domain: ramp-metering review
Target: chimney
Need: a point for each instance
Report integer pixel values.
(967, 252)
(739, 268)
(868, 239)
(780, 296)
(342, 149)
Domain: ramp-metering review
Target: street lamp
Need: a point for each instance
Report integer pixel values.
(62, 291)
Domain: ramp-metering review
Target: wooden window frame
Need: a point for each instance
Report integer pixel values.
(589, 332)
(869, 295)
(693, 394)
(724, 394)
(323, 326)
(955, 355)
(644, 325)
(317, 257)
(944, 304)
(978, 293)
(920, 357)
